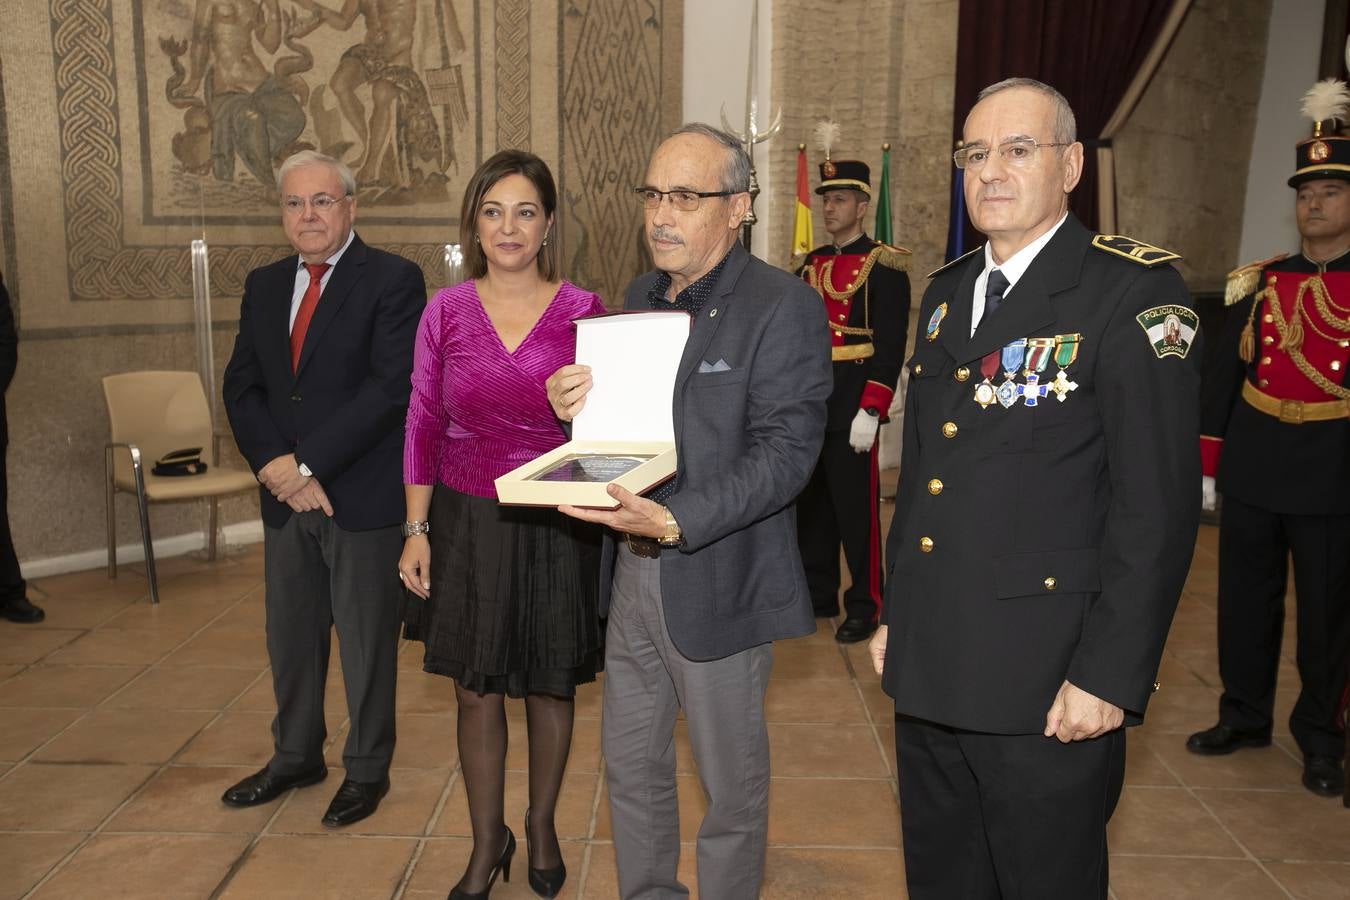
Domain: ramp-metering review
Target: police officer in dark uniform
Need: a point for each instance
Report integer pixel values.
(1276, 433)
(866, 294)
(1045, 520)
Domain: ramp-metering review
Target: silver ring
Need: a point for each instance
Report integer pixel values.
(401, 577)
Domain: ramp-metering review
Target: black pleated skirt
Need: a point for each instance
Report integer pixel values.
(513, 607)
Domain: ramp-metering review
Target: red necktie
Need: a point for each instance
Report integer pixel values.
(306, 311)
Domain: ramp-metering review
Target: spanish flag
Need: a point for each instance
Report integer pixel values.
(802, 239)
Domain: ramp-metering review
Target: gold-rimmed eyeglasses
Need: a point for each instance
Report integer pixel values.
(322, 203)
(685, 201)
(1013, 153)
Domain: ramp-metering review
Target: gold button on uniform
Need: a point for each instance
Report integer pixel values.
(843, 317)
(918, 368)
(962, 373)
(1267, 318)
(1267, 340)
(849, 286)
(935, 486)
(926, 544)
(1264, 382)
(838, 334)
(1050, 583)
(1156, 686)
(1335, 365)
(949, 429)
(1265, 360)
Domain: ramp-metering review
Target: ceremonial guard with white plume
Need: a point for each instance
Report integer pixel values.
(866, 295)
(1276, 436)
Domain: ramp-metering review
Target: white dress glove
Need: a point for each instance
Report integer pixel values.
(1208, 494)
(863, 432)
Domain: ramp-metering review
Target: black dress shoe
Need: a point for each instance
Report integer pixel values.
(1221, 740)
(264, 786)
(854, 630)
(544, 882)
(1323, 775)
(502, 867)
(354, 801)
(18, 609)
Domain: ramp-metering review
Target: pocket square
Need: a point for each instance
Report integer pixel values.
(719, 366)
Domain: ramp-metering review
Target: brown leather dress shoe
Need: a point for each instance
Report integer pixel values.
(354, 801)
(264, 786)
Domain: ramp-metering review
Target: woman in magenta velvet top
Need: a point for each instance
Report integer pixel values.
(509, 593)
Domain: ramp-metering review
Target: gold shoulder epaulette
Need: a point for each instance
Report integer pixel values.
(892, 257)
(1243, 280)
(1133, 250)
(940, 269)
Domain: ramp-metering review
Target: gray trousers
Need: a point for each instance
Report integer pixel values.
(646, 682)
(317, 575)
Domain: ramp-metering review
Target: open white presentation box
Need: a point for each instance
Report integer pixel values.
(624, 434)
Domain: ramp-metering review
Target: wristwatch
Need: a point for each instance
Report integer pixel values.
(412, 528)
(673, 535)
(304, 469)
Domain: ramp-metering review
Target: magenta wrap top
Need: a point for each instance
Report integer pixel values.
(476, 410)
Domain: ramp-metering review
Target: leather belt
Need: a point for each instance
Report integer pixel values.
(1295, 412)
(646, 547)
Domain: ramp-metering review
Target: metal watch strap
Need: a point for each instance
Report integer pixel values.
(673, 535)
(412, 528)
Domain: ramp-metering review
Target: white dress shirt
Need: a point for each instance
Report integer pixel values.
(1012, 268)
(302, 278)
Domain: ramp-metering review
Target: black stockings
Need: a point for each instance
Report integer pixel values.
(482, 738)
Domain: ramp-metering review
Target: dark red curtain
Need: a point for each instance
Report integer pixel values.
(1088, 50)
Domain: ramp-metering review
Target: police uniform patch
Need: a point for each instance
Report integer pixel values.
(1170, 329)
(935, 322)
(1133, 250)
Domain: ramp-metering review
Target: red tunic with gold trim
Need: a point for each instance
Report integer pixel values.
(1276, 416)
(866, 294)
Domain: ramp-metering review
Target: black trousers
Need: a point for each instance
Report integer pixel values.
(840, 504)
(317, 575)
(989, 816)
(1254, 550)
(12, 585)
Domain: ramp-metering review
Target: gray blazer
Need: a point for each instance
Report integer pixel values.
(748, 437)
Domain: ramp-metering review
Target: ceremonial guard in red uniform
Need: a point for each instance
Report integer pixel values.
(866, 294)
(1276, 434)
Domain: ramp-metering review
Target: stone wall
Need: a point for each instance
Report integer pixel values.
(107, 172)
(1181, 160)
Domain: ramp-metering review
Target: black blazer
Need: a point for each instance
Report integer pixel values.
(342, 412)
(747, 439)
(1061, 533)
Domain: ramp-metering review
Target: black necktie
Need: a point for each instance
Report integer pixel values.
(993, 292)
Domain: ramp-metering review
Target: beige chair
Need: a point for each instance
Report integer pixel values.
(151, 414)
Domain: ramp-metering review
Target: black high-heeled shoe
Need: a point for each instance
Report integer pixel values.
(503, 867)
(544, 882)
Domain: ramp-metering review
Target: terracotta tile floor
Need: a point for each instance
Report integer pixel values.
(120, 725)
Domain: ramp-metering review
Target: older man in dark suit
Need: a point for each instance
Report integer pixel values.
(1045, 520)
(701, 576)
(319, 417)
